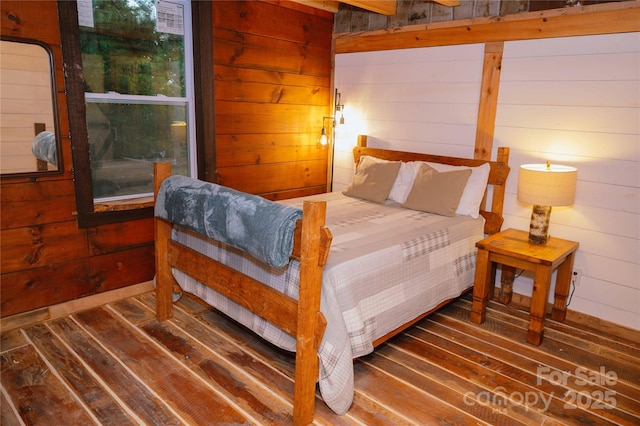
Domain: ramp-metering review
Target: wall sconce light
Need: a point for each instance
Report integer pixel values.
(324, 140)
(337, 107)
(544, 186)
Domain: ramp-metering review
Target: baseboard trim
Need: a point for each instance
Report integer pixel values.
(522, 302)
(67, 308)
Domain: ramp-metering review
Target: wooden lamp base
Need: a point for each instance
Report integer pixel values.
(539, 226)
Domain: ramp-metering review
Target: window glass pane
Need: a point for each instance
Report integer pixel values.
(137, 67)
(126, 138)
(124, 53)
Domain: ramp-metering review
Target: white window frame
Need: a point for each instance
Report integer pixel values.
(188, 99)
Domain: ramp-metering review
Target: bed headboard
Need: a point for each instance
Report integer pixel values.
(497, 176)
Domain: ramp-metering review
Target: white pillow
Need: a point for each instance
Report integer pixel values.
(404, 181)
(469, 204)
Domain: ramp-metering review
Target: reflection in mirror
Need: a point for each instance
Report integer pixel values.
(28, 143)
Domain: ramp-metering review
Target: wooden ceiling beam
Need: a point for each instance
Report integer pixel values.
(329, 6)
(450, 3)
(604, 18)
(383, 7)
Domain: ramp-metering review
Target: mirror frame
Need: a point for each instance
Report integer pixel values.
(55, 110)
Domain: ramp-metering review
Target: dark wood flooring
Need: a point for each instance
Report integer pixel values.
(115, 365)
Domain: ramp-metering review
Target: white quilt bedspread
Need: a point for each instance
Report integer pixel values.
(387, 265)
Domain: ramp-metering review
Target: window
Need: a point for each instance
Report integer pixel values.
(138, 91)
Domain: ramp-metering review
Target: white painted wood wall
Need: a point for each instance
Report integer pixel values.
(575, 101)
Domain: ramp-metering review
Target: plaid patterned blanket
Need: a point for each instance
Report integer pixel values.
(387, 265)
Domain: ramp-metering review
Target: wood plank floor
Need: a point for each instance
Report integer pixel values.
(115, 365)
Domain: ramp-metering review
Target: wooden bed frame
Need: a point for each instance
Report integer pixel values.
(497, 176)
(300, 318)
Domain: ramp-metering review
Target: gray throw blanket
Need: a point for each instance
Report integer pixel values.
(44, 147)
(260, 227)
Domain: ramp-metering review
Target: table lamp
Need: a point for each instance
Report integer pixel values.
(544, 186)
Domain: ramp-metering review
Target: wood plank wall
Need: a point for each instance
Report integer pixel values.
(567, 91)
(576, 101)
(417, 12)
(272, 70)
(425, 100)
(272, 67)
(272, 87)
(46, 259)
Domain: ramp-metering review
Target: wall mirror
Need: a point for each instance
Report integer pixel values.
(29, 140)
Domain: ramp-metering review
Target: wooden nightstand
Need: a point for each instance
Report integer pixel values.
(512, 249)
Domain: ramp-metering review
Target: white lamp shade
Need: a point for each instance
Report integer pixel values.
(547, 185)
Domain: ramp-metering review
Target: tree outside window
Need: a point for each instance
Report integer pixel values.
(138, 76)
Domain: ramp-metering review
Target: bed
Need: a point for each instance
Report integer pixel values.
(360, 270)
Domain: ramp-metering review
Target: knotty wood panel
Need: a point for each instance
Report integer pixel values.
(264, 178)
(246, 117)
(35, 202)
(255, 149)
(243, 91)
(34, 288)
(122, 268)
(268, 20)
(248, 50)
(37, 211)
(231, 73)
(273, 80)
(31, 20)
(40, 245)
(39, 238)
(119, 236)
(281, 52)
(294, 193)
(58, 282)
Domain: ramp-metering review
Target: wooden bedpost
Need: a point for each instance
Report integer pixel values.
(498, 198)
(162, 231)
(311, 322)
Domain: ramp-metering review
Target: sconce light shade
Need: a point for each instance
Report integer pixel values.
(544, 186)
(337, 107)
